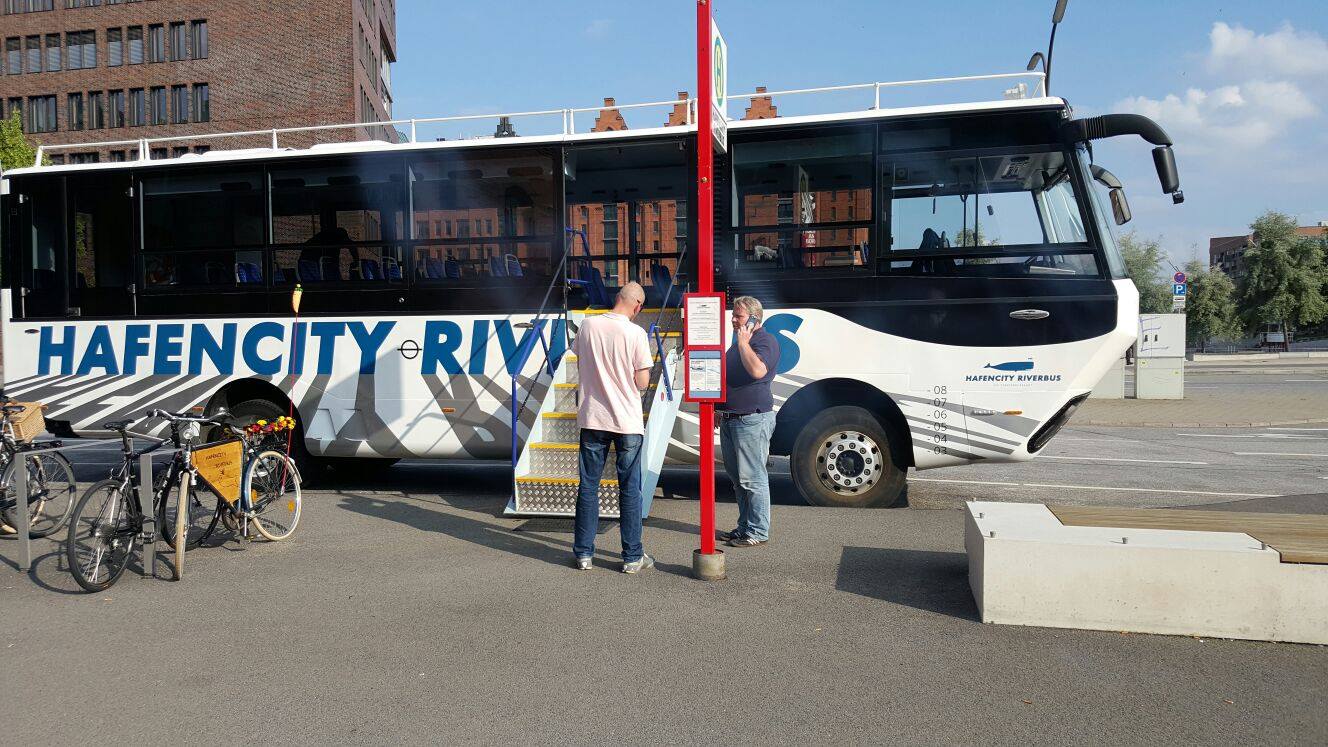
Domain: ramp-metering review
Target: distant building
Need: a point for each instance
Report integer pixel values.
(83, 71)
(1227, 253)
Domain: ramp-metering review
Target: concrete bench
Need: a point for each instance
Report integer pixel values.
(1219, 574)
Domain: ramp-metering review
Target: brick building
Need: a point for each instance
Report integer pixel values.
(81, 71)
(1227, 253)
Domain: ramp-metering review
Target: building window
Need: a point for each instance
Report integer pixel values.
(135, 45)
(179, 104)
(13, 56)
(137, 108)
(82, 49)
(32, 54)
(158, 101)
(53, 49)
(117, 101)
(156, 43)
(182, 150)
(114, 47)
(96, 110)
(117, 156)
(201, 149)
(16, 110)
(202, 104)
(41, 114)
(74, 111)
(84, 157)
(178, 48)
(28, 6)
(198, 39)
(157, 154)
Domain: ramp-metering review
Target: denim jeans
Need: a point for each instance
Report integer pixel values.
(594, 453)
(745, 443)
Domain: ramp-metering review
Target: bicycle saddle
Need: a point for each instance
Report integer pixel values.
(117, 425)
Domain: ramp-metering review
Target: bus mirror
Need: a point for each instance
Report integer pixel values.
(1120, 207)
(1165, 161)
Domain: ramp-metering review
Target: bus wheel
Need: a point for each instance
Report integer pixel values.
(842, 457)
(252, 410)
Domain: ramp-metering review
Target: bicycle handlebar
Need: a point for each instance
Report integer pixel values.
(184, 417)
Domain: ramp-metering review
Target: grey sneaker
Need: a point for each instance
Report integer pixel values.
(639, 565)
(745, 541)
(584, 564)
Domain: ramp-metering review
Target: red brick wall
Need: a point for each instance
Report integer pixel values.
(270, 64)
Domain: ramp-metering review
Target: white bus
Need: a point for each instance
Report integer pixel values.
(942, 279)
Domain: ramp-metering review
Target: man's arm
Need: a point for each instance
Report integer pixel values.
(751, 360)
(642, 378)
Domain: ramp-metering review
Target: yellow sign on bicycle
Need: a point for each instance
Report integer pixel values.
(221, 465)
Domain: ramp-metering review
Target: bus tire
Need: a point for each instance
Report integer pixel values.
(252, 410)
(843, 457)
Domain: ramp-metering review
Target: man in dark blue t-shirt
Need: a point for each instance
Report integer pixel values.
(747, 420)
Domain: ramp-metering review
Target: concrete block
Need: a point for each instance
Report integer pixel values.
(1026, 568)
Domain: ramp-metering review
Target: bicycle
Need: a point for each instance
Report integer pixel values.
(270, 493)
(109, 516)
(51, 484)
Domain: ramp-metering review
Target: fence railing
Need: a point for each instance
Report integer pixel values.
(567, 116)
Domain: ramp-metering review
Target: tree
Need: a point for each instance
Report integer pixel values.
(1286, 280)
(1210, 306)
(15, 150)
(1143, 263)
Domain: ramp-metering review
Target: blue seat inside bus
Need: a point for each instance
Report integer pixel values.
(370, 270)
(497, 268)
(513, 266)
(248, 273)
(308, 271)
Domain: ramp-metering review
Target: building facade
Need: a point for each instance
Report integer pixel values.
(1227, 253)
(85, 71)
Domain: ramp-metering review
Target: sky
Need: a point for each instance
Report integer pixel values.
(1241, 86)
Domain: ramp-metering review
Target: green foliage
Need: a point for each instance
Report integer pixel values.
(15, 150)
(1286, 279)
(1143, 263)
(1210, 306)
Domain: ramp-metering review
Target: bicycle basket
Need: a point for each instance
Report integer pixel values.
(30, 423)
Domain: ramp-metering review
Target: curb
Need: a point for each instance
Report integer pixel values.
(1152, 424)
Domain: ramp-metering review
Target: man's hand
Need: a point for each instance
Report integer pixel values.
(744, 335)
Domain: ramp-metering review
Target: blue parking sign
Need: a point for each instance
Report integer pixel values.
(1177, 289)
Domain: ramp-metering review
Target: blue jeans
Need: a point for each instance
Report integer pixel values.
(594, 453)
(745, 443)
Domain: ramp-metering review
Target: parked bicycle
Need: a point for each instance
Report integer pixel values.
(51, 485)
(108, 519)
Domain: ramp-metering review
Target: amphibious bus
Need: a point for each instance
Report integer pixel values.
(942, 279)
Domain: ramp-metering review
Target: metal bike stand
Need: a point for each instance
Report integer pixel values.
(21, 495)
(145, 505)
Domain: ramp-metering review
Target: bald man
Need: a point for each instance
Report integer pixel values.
(613, 364)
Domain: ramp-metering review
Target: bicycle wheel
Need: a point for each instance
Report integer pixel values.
(182, 524)
(101, 535)
(202, 514)
(273, 487)
(52, 492)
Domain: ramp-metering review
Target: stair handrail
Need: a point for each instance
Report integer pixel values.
(527, 347)
(655, 328)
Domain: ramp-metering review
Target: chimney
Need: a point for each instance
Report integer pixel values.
(761, 107)
(609, 119)
(505, 128)
(679, 114)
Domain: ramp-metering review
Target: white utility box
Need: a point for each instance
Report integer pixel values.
(1160, 367)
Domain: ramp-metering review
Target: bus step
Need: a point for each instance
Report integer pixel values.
(563, 460)
(556, 496)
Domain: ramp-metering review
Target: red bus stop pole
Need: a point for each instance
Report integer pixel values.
(705, 230)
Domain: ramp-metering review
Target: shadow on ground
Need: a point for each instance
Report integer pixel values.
(922, 579)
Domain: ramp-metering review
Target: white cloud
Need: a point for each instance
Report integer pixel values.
(1264, 86)
(599, 28)
(1246, 115)
(1285, 51)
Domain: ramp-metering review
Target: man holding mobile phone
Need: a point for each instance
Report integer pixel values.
(747, 421)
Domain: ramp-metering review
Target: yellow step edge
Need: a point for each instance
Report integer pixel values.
(560, 481)
(597, 312)
(560, 415)
(565, 386)
(556, 445)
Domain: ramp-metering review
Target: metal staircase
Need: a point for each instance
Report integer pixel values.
(546, 472)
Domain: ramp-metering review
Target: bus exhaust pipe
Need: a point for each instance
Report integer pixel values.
(1115, 125)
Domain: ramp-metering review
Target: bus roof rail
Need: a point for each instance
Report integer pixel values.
(564, 120)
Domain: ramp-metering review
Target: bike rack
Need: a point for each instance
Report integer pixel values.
(148, 538)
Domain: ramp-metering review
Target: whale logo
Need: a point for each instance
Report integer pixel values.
(1011, 366)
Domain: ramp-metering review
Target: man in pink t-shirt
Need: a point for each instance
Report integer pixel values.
(613, 365)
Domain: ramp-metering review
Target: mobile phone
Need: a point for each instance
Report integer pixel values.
(751, 324)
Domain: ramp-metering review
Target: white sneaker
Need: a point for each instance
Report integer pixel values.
(639, 565)
(584, 564)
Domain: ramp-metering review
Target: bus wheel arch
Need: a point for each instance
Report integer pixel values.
(250, 399)
(823, 417)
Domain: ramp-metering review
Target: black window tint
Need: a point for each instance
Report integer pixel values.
(215, 208)
(101, 211)
(505, 201)
(338, 203)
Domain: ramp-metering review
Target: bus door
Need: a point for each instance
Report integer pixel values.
(39, 239)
